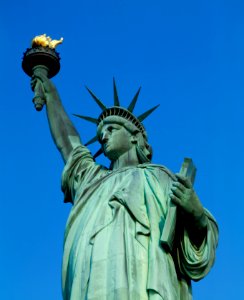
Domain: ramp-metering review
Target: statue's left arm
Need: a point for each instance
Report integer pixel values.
(198, 242)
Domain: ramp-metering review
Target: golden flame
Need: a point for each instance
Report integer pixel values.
(45, 41)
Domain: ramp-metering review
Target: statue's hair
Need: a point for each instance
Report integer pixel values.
(143, 149)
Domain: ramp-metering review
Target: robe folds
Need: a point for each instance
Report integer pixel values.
(112, 248)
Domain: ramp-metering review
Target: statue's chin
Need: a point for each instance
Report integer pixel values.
(112, 155)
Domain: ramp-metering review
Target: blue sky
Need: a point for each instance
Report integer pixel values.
(188, 56)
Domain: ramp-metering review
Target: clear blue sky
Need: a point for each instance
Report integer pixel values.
(188, 56)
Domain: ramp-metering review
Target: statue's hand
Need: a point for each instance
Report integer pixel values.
(48, 87)
(184, 196)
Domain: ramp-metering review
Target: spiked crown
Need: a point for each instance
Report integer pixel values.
(117, 110)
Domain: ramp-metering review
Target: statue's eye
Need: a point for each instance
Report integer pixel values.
(110, 128)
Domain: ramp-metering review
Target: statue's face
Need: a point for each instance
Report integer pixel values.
(115, 140)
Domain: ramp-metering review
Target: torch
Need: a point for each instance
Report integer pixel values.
(41, 58)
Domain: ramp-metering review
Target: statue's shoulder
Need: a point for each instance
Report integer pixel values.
(160, 168)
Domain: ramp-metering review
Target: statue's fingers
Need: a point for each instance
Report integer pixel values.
(184, 180)
(43, 79)
(179, 185)
(33, 83)
(177, 192)
(175, 200)
(33, 78)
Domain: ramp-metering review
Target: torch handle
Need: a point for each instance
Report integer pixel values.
(39, 98)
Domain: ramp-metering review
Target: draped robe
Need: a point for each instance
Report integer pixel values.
(112, 247)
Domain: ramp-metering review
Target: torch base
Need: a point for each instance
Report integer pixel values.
(45, 56)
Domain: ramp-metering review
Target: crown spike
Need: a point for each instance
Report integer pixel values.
(99, 102)
(116, 98)
(89, 119)
(91, 141)
(99, 152)
(134, 100)
(147, 113)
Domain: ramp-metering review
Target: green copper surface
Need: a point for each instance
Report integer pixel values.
(114, 246)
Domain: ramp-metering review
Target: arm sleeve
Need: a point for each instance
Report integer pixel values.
(75, 173)
(195, 262)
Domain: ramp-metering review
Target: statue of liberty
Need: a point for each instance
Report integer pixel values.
(113, 246)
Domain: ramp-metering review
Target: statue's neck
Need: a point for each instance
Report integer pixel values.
(127, 159)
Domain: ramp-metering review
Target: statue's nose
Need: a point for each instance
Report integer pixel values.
(104, 138)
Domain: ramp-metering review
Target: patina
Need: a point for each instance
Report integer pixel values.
(113, 247)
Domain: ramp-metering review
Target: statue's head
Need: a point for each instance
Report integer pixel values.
(118, 135)
(119, 130)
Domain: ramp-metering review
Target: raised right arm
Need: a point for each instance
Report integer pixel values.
(63, 132)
